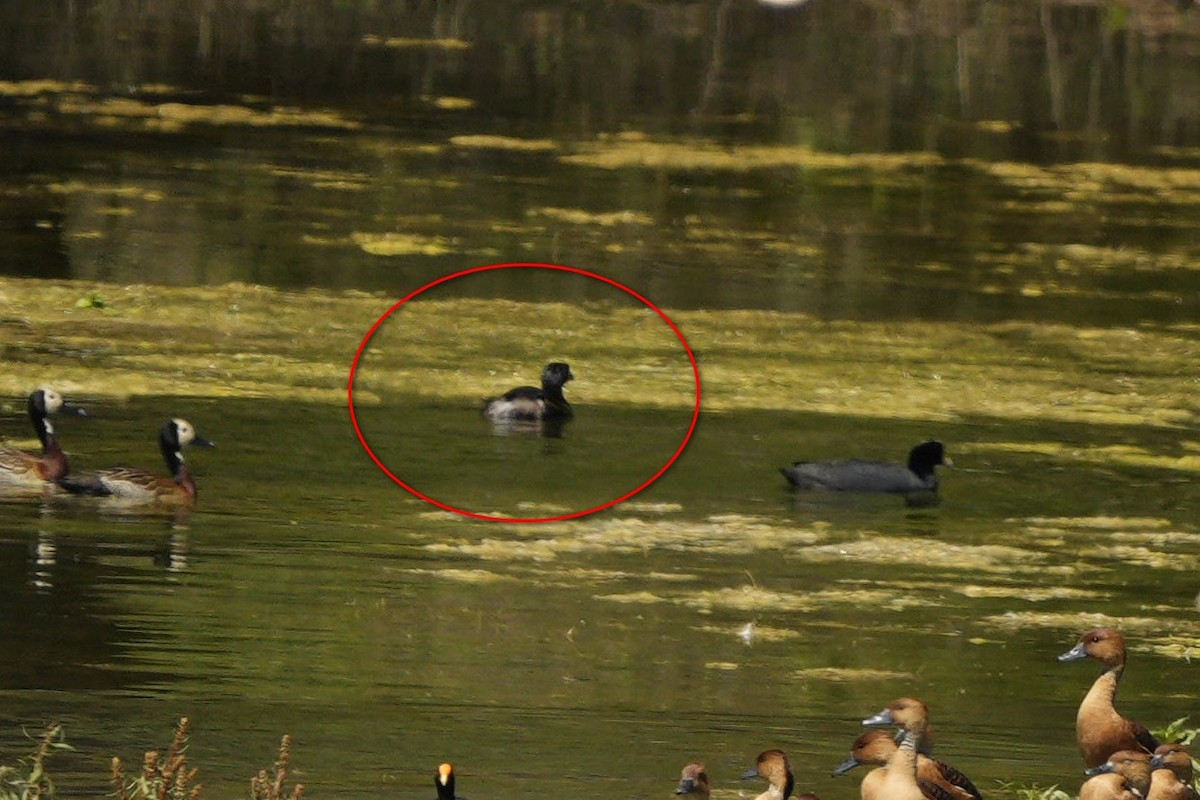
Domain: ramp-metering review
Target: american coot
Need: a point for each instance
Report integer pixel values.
(138, 486)
(1099, 729)
(772, 765)
(694, 781)
(20, 470)
(857, 475)
(444, 781)
(532, 403)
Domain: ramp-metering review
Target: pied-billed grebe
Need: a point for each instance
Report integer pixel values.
(532, 403)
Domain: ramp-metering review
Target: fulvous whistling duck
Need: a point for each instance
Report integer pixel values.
(856, 475)
(694, 781)
(1175, 759)
(137, 486)
(532, 403)
(21, 470)
(900, 782)
(1107, 786)
(1132, 765)
(900, 712)
(1099, 729)
(937, 779)
(773, 765)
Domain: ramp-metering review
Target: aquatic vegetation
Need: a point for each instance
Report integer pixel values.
(726, 534)
(30, 780)
(408, 43)
(925, 552)
(169, 775)
(1178, 731)
(163, 777)
(1074, 622)
(274, 785)
(847, 675)
(392, 244)
(1034, 792)
(492, 142)
(638, 151)
(578, 216)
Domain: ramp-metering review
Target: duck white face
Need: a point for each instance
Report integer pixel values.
(52, 401)
(185, 432)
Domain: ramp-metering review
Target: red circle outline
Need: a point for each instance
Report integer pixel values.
(523, 265)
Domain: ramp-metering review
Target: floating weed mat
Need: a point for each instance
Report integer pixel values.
(635, 150)
(249, 341)
(751, 598)
(728, 534)
(152, 111)
(1138, 631)
(850, 675)
(917, 551)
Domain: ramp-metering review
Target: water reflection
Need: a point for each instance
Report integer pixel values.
(547, 428)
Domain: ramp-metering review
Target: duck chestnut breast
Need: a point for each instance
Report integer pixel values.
(20, 470)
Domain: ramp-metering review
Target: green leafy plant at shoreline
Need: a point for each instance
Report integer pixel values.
(30, 781)
(1178, 731)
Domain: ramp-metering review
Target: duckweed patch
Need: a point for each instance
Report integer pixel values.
(143, 112)
(490, 142)
(727, 534)
(1075, 623)
(628, 151)
(851, 675)
(578, 216)
(239, 340)
(754, 633)
(1033, 594)
(927, 553)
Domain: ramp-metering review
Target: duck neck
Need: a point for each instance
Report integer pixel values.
(53, 461)
(1103, 693)
(554, 394)
(777, 792)
(903, 762)
(41, 426)
(177, 466)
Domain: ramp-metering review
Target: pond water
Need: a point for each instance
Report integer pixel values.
(874, 225)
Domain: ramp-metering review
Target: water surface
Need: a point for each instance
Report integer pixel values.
(869, 235)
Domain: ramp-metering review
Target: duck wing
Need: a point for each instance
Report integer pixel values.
(123, 482)
(957, 779)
